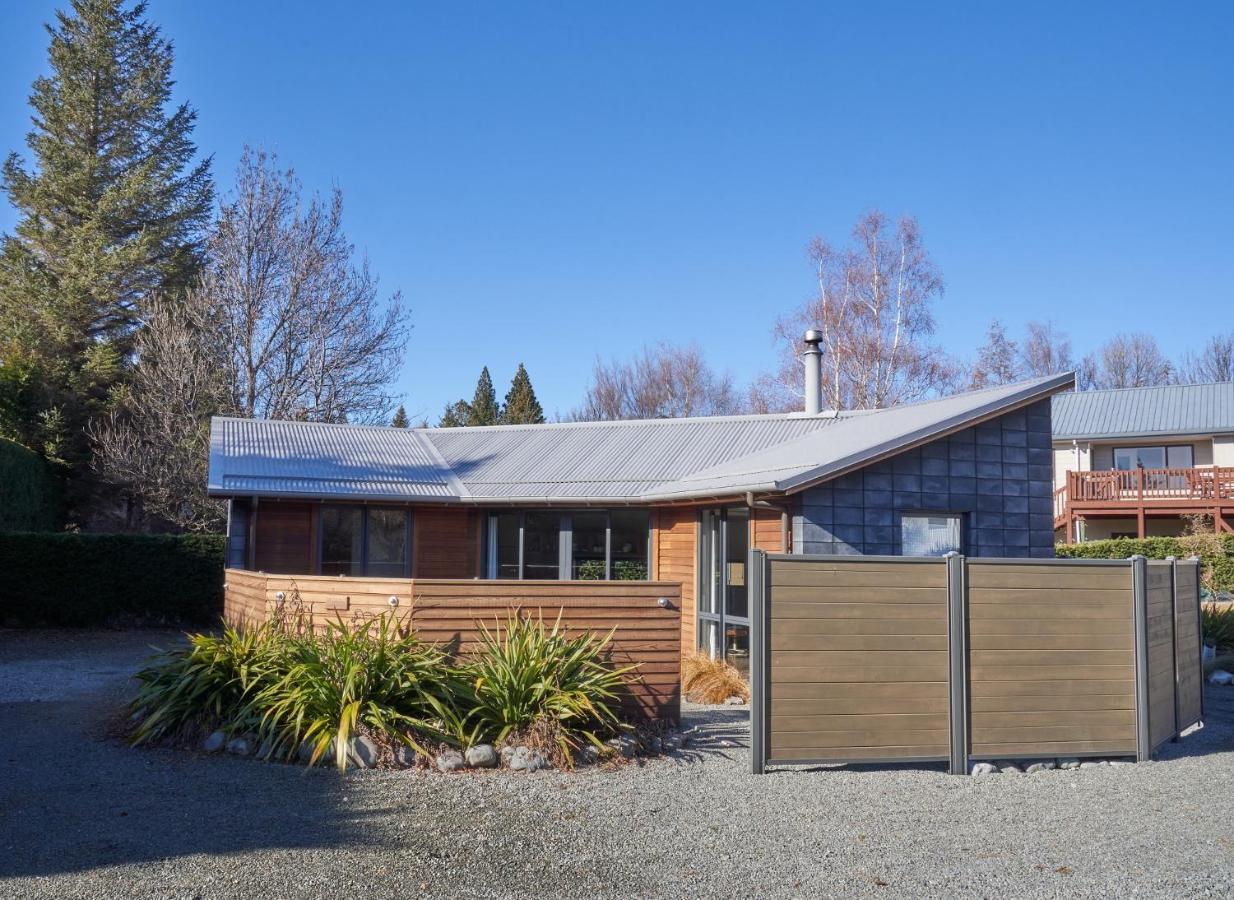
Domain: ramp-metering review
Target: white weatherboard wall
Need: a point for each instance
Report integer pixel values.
(1223, 450)
(1070, 458)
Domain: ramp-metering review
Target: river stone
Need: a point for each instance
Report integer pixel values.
(734, 701)
(587, 755)
(1069, 763)
(1043, 766)
(984, 768)
(364, 752)
(524, 759)
(215, 742)
(450, 761)
(239, 746)
(1010, 768)
(1220, 676)
(482, 756)
(405, 756)
(624, 745)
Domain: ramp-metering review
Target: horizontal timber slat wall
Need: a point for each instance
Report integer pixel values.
(1043, 685)
(450, 611)
(858, 660)
(898, 659)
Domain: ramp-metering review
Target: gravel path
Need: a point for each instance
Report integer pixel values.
(84, 816)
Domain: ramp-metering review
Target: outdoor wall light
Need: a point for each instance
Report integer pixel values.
(663, 602)
(280, 596)
(393, 601)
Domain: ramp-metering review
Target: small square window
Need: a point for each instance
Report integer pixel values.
(929, 535)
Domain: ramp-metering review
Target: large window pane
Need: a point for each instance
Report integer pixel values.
(1180, 457)
(922, 535)
(541, 545)
(629, 553)
(589, 530)
(712, 564)
(387, 543)
(736, 552)
(507, 545)
(342, 535)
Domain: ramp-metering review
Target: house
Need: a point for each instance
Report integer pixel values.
(1136, 462)
(681, 500)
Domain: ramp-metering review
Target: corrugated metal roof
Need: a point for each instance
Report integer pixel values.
(1134, 412)
(604, 459)
(629, 461)
(854, 441)
(258, 456)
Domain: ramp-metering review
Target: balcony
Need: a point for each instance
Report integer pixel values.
(1138, 492)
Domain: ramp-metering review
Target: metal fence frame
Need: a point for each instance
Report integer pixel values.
(959, 653)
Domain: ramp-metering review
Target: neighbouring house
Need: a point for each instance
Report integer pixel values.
(1137, 462)
(669, 500)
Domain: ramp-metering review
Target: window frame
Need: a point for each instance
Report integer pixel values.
(565, 543)
(408, 532)
(1165, 454)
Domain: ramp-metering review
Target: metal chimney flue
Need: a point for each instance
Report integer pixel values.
(813, 360)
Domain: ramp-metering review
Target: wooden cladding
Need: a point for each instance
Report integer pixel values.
(1052, 670)
(675, 553)
(450, 612)
(895, 659)
(445, 543)
(283, 537)
(858, 660)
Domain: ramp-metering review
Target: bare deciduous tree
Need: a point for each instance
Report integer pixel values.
(306, 335)
(1126, 361)
(1045, 351)
(155, 442)
(1214, 363)
(873, 308)
(281, 324)
(664, 381)
(997, 359)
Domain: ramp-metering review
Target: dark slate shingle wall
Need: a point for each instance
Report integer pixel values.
(997, 474)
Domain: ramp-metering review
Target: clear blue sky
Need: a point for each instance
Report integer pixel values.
(545, 181)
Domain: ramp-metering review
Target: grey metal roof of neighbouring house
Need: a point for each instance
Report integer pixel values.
(584, 462)
(1145, 412)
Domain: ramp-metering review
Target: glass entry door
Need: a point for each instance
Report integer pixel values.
(723, 591)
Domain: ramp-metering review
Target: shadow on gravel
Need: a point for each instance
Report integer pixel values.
(74, 798)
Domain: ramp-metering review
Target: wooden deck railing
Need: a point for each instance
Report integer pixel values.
(1138, 485)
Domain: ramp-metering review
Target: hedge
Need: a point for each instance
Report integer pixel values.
(1218, 566)
(82, 580)
(30, 494)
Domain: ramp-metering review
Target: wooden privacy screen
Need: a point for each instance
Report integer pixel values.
(449, 612)
(894, 659)
(1052, 659)
(858, 659)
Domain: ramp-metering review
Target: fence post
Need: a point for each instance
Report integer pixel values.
(1173, 561)
(1199, 625)
(957, 661)
(758, 662)
(1139, 592)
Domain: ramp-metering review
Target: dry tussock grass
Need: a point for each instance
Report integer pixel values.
(707, 680)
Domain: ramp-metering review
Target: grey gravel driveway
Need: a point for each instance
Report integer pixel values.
(81, 815)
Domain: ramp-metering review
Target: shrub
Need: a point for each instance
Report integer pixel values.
(373, 674)
(1216, 553)
(296, 688)
(100, 579)
(528, 674)
(708, 680)
(1218, 626)
(31, 498)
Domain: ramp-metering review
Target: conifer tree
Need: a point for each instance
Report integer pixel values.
(456, 415)
(110, 215)
(400, 418)
(483, 409)
(521, 406)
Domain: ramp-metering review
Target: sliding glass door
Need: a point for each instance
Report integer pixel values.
(723, 591)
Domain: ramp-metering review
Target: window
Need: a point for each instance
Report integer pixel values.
(588, 545)
(723, 590)
(929, 535)
(1179, 456)
(356, 540)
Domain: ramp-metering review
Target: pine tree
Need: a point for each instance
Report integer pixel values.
(483, 409)
(521, 406)
(110, 215)
(996, 359)
(400, 419)
(456, 415)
